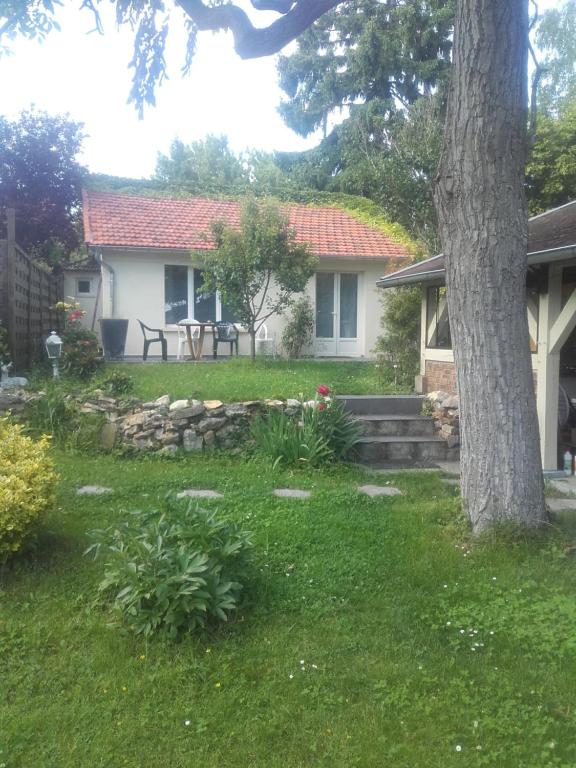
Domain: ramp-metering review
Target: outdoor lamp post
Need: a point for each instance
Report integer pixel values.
(53, 346)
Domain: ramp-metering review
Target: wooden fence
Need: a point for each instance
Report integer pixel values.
(27, 294)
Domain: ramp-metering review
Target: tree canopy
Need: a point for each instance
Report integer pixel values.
(259, 267)
(389, 51)
(41, 178)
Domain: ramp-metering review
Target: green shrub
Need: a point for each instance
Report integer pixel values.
(173, 570)
(299, 328)
(27, 482)
(118, 383)
(321, 432)
(398, 349)
(80, 351)
(55, 413)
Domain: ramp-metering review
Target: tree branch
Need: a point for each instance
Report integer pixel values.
(252, 42)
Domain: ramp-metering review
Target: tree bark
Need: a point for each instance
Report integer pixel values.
(252, 344)
(479, 198)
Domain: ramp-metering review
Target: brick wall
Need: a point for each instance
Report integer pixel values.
(440, 375)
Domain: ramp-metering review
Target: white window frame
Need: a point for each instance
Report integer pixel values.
(191, 302)
(85, 294)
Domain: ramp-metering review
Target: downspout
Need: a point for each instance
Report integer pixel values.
(112, 274)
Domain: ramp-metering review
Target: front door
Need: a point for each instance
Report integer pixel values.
(337, 315)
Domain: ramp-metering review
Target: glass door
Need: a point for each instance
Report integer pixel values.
(337, 314)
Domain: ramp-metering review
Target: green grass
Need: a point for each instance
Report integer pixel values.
(242, 380)
(362, 590)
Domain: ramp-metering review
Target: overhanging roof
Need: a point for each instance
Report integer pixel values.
(551, 237)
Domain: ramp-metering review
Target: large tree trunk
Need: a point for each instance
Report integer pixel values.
(483, 223)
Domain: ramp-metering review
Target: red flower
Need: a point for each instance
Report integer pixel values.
(75, 315)
(323, 390)
(321, 406)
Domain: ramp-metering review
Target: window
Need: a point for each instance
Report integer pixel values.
(175, 293)
(84, 286)
(437, 323)
(184, 297)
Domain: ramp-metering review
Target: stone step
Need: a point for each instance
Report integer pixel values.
(396, 426)
(379, 405)
(409, 449)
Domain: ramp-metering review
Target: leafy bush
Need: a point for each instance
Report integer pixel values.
(27, 482)
(322, 432)
(299, 328)
(80, 347)
(55, 413)
(80, 351)
(118, 383)
(173, 570)
(398, 349)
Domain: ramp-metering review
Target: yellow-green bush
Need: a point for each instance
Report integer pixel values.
(27, 483)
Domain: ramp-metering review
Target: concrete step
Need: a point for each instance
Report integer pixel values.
(396, 426)
(406, 448)
(379, 405)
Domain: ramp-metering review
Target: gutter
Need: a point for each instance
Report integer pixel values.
(100, 260)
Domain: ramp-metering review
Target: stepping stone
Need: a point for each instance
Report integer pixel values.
(559, 505)
(196, 493)
(291, 493)
(93, 490)
(379, 490)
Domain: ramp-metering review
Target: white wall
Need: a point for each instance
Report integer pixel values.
(88, 302)
(139, 294)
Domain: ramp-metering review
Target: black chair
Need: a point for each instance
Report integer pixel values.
(148, 341)
(225, 333)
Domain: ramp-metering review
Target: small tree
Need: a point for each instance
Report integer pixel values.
(259, 267)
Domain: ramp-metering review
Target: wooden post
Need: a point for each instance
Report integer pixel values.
(548, 382)
(11, 280)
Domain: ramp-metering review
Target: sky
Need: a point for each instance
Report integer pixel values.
(86, 75)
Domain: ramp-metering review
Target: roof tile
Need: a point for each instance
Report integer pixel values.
(113, 219)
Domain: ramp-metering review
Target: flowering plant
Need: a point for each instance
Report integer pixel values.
(80, 346)
(322, 432)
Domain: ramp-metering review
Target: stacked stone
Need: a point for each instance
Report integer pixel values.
(162, 426)
(446, 416)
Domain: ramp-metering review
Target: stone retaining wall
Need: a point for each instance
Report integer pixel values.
(446, 416)
(163, 426)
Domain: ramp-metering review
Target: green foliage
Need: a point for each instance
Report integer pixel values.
(398, 349)
(321, 432)
(118, 383)
(81, 355)
(258, 268)
(364, 50)
(27, 485)
(42, 179)
(556, 43)
(287, 443)
(298, 330)
(54, 412)
(551, 170)
(4, 350)
(173, 570)
(207, 165)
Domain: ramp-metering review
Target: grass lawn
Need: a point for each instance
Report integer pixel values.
(240, 379)
(371, 635)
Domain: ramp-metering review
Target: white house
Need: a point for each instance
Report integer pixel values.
(141, 268)
(551, 306)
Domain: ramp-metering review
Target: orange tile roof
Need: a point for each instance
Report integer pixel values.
(117, 220)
